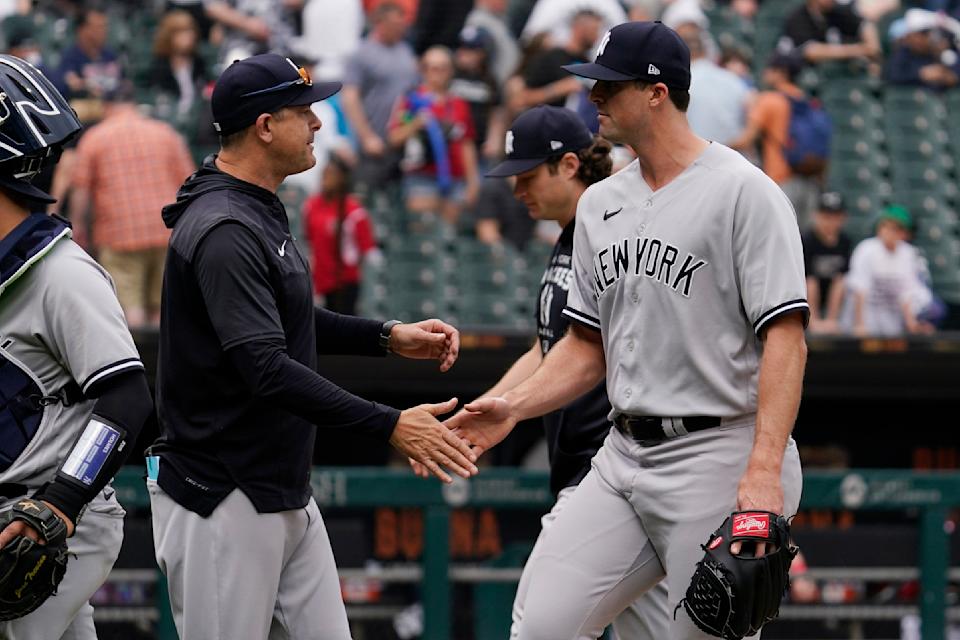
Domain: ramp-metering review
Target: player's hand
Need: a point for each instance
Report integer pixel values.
(427, 340)
(418, 469)
(418, 435)
(759, 490)
(21, 528)
(483, 423)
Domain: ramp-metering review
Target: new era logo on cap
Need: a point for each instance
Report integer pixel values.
(652, 70)
(540, 134)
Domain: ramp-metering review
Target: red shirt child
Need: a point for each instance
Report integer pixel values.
(340, 234)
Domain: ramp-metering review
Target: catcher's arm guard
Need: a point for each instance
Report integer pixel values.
(733, 596)
(30, 572)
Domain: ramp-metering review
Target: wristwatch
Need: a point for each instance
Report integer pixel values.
(385, 330)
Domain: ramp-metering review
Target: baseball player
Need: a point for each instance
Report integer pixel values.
(554, 158)
(688, 294)
(236, 531)
(73, 394)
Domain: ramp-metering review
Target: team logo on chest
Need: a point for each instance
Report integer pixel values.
(647, 257)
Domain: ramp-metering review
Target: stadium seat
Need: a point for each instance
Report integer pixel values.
(914, 101)
(855, 175)
(923, 176)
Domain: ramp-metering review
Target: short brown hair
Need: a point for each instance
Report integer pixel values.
(679, 97)
(595, 162)
(233, 139)
(170, 24)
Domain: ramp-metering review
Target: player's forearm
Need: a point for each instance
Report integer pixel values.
(780, 386)
(342, 334)
(125, 402)
(573, 366)
(522, 369)
(279, 381)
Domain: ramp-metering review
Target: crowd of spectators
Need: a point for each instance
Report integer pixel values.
(429, 86)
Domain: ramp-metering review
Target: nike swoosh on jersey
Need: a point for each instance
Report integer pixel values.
(282, 251)
(609, 214)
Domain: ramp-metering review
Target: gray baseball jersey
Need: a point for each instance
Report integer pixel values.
(681, 281)
(60, 322)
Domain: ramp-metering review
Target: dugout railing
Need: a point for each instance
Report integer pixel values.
(931, 495)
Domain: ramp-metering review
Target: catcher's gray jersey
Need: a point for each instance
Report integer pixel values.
(681, 281)
(60, 322)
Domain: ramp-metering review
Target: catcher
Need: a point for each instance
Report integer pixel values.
(73, 394)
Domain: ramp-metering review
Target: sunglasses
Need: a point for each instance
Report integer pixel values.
(304, 79)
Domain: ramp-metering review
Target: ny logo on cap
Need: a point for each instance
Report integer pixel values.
(508, 143)
(653, 71)
(603, 44)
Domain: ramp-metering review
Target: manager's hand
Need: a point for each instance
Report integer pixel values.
(427, 340)
(418, 435)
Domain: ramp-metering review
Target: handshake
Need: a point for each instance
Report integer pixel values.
(431, 446)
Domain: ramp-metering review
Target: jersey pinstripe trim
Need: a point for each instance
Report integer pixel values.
(582, 318)
(786, 307)
(111, 370)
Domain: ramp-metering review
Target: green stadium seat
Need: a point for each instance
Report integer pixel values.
(916, 126)
(918, 147)
(846, 175)
(913, 100)
(854, 93)
(487, 310)
(920, 203)
(866, 204)
(923, 176)
(847, 146)
(849, 118)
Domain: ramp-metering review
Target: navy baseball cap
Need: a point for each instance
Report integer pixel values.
(538, 134)
(647, 51)
(262, 84)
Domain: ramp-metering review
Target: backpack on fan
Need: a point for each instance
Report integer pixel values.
(808, 138)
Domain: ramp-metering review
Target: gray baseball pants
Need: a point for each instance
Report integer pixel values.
(94, 548)
(645, 619)
(243, 574)
(638, 517)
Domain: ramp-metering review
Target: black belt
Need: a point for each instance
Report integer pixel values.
(651, 430)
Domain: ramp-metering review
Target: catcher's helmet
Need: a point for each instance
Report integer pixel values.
(35, 120)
